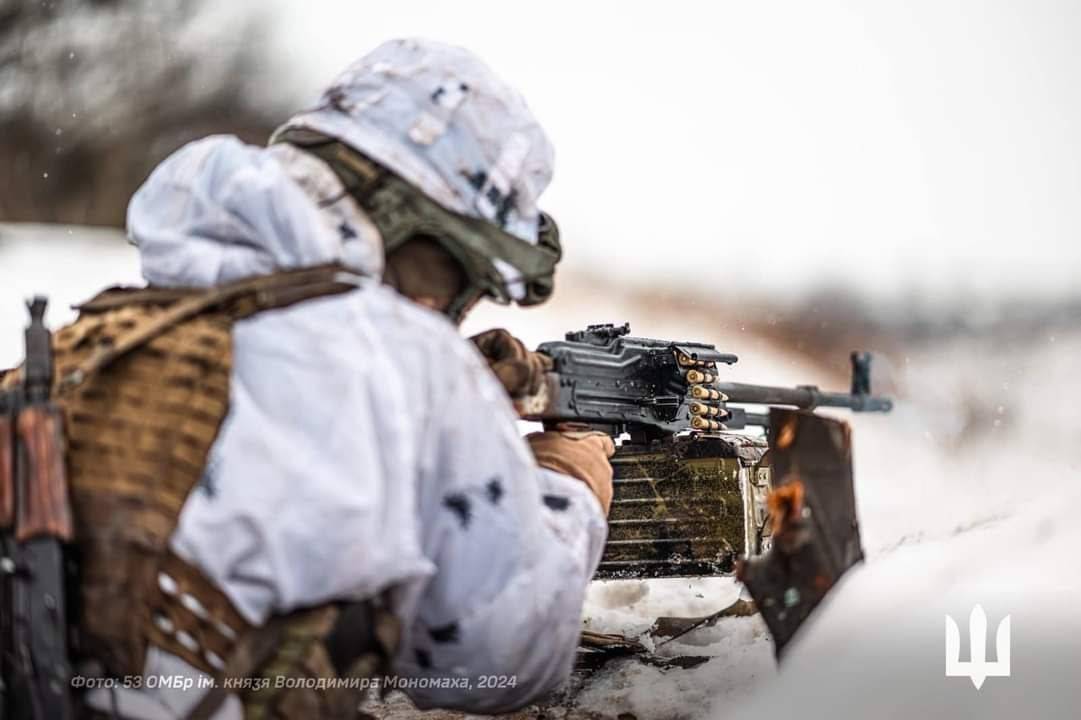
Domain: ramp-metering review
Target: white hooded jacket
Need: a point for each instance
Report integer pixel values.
(367, 447)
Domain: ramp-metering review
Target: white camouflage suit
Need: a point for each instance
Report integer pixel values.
(367, 446)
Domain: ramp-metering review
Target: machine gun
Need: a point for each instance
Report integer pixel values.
(651, 389)
(694, 497)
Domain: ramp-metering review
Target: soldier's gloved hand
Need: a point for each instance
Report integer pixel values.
(580, 454)
(521, 371)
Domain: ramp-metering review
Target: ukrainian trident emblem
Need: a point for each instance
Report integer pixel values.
(977, 668)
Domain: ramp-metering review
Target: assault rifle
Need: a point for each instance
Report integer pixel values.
(35, 526)
(651, 389)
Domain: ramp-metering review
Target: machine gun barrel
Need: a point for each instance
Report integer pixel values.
(803, 397)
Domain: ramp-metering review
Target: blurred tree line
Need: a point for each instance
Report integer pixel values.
(94, 93)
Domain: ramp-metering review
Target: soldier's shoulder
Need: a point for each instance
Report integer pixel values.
(415, 326)
(373, 326)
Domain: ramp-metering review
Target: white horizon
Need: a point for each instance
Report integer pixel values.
(928, 149)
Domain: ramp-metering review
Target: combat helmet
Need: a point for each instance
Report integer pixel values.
(430, 142)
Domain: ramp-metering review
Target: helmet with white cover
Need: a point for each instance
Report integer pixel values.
(430, 142)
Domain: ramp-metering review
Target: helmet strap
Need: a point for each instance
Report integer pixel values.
(401, 212)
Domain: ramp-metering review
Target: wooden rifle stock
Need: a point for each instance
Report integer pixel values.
(44, 509)
(7, 470)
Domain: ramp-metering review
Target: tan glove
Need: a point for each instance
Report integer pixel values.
(520, 371)
(580, 454)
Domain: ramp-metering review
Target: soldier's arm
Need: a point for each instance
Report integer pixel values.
(515, 547)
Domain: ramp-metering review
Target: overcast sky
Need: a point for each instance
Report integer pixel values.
(901, 146)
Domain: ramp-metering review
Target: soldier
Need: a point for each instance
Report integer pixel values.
(342, 483)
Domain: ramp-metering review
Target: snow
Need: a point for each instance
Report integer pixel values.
(968, 493)
(922, 148)
(68, 265)
(985, 517)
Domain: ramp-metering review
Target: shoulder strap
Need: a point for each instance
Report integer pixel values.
(237, 300)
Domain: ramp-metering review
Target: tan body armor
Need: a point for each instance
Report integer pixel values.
(143, 377)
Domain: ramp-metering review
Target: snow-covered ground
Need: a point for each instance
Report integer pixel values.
(951, 517)
(956, 514)
(968, 493)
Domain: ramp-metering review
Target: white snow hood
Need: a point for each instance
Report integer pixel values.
(367, 446)
(220, 210)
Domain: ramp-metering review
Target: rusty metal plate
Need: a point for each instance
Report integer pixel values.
(815, 533)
